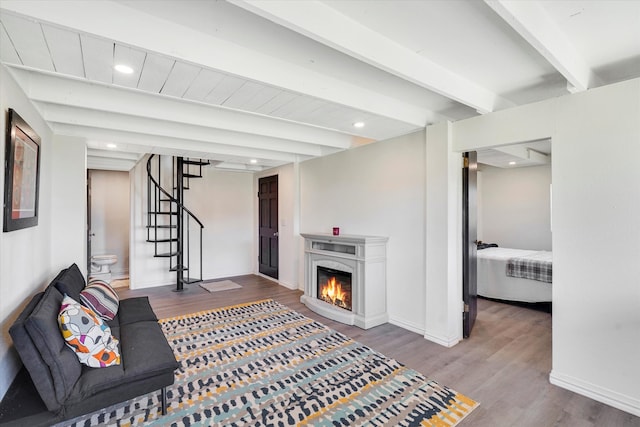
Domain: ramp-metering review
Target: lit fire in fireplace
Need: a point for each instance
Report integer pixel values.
(332, 292)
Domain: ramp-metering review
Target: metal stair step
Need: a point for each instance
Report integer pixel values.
(178, 268)
(166, 255)
(196, 162)
(190, 280)
(162, 213)
(190, 175)
(162, 240)
(162, 226)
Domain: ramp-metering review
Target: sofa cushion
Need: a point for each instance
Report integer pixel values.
(42, 327)
(100, 297)
(87, 335)
(134, 310)
(145, 354)
(70, 281)
(30, 356)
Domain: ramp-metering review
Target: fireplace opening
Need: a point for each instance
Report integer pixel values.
(334, 287)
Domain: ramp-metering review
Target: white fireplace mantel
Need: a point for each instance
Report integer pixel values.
(365, 257)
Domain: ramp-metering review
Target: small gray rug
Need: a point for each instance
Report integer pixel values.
(223, 285)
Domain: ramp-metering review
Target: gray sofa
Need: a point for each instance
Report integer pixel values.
(69, 388)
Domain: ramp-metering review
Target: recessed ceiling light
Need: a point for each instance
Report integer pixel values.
(254, 161)
(124, 69)
(111, 145)
(358, 125)
(512, 163)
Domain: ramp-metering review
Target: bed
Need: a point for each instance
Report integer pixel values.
(515, 274)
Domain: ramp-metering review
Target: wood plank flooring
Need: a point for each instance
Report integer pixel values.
(505, 365)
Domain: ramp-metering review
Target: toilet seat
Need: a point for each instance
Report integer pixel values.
(104, 259)
(100, 266)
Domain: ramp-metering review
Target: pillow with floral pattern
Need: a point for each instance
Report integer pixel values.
(87, 335)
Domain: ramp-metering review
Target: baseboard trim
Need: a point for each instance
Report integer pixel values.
(281, 283)
(600, 394)
(443, 341)
(135, 286)
(288, 285)
(406, 325)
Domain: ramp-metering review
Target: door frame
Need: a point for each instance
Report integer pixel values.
(469, 242)
(131, 242)
(88, 221)
(257, 224)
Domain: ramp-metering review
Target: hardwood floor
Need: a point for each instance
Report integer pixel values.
(505, 364)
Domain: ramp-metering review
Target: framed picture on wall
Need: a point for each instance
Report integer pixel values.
(21, 175)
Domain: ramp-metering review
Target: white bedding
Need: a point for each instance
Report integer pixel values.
(494, 283)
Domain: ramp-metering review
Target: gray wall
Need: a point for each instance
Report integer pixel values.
(514, 207)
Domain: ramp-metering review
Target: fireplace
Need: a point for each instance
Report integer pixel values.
(352, 271)
(334, 287)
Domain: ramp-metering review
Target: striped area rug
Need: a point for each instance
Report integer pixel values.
(262, 364)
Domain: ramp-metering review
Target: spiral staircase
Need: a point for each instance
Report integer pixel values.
(173, 229)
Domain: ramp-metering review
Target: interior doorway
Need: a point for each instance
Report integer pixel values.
(514, 257)
(108, 221)
(268, 226)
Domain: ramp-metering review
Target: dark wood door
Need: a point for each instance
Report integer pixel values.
(268, 226)
(469, 242)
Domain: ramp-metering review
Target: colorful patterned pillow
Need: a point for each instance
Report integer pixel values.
(100, 297)
(87, 335)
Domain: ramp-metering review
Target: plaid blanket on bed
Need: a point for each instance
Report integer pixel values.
(537, 266)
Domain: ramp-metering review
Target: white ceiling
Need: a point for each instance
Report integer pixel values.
(282, 81)
(531, 153)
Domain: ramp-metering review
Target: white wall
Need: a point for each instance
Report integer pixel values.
(110, 215)
(514, 207)
(69, 206)
(289, 240)
(377, 189)
(443, 238)
(596, 200)
(25, 255)
(223, 201)
(596, 230)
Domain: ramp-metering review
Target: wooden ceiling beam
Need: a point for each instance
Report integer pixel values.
(78, 94)
(532, 23)
(310, 19)
(150, 33)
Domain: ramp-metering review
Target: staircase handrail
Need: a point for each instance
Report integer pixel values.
(173, 199)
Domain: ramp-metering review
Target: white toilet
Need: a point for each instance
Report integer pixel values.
(101, 267)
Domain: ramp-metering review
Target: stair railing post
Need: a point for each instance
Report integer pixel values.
(180, 224)
(148, 207)
(188, 246)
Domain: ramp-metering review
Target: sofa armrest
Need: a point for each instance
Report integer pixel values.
(30, 356)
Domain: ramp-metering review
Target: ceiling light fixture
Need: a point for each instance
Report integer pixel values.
(358, 125)
(111, 145)
(512, 163)
(124, 69)
(253, 161)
